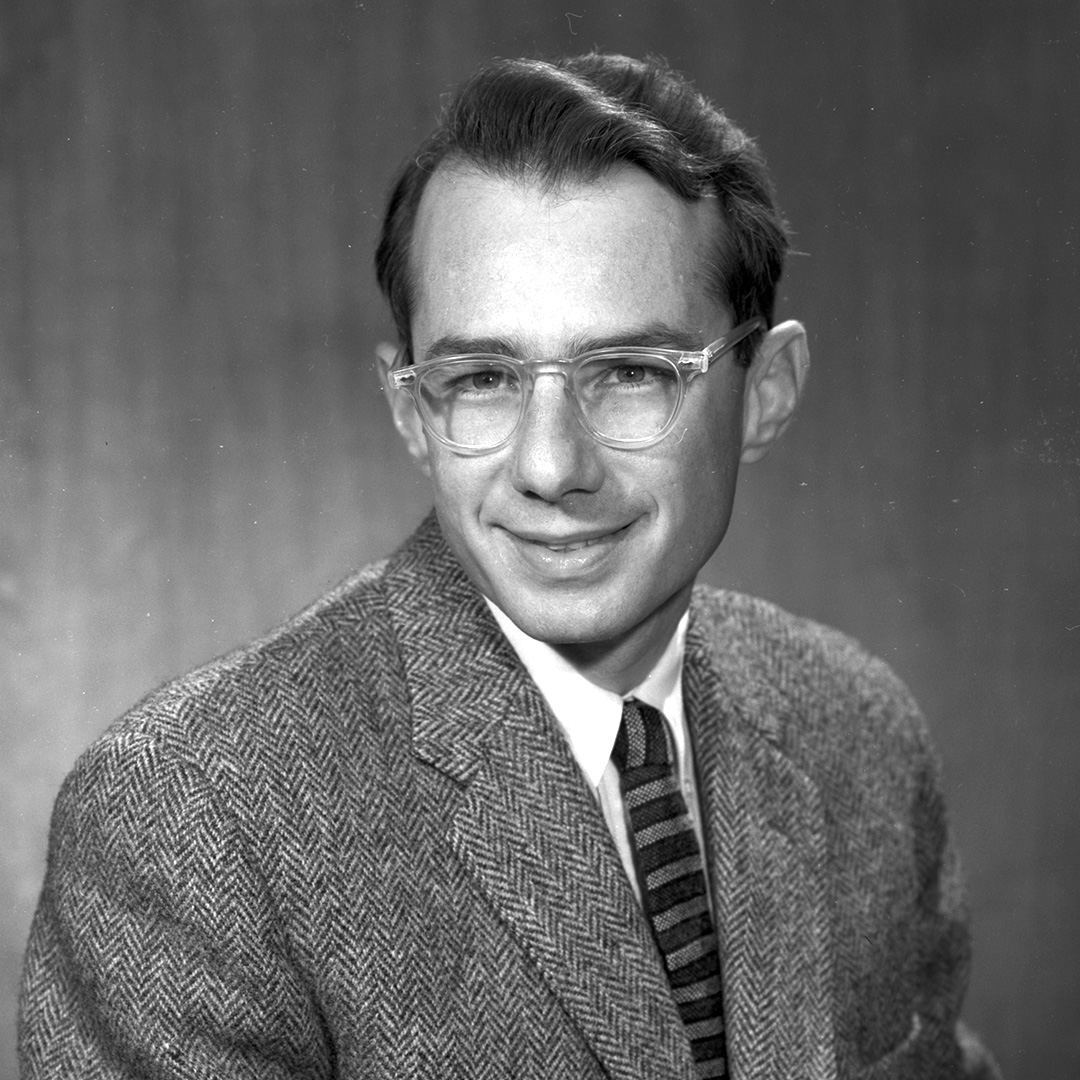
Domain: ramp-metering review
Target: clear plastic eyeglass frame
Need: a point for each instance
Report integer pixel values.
(687, 365)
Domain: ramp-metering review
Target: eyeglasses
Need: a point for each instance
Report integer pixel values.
(626, 397)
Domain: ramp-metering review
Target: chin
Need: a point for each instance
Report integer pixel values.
(566, 623)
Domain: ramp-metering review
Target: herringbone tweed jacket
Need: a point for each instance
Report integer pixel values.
(361, 848)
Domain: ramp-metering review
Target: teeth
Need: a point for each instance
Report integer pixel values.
(573, 547)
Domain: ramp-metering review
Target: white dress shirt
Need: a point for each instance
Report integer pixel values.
(589, 717)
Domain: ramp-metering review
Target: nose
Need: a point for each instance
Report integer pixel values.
(553, 454)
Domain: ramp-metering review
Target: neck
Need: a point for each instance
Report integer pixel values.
(621, 663)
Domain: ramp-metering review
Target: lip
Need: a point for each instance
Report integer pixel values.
(569, 542)
(565, 556)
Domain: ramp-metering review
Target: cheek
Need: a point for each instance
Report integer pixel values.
(459, 484)
(712, 457)
(697, 493)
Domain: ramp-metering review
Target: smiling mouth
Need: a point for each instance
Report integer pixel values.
(569, 546)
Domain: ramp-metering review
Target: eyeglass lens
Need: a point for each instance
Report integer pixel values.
(478, 403)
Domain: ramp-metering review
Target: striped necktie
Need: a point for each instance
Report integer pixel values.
(671, 876)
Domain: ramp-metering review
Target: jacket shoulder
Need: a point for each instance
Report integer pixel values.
(816, 690)
(295, 687)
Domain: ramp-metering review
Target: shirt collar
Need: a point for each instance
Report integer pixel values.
(589, 715)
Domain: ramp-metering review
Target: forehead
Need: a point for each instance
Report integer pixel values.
(492, 255)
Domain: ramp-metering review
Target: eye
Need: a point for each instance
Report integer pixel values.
(489, 379)
(471, 380)
(631, 373)
(615, 373)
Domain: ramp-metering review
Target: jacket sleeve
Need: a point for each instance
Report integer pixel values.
(940, 947)
(945, 964)
(156, 950)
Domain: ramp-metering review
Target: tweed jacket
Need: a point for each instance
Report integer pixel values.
(361, 848)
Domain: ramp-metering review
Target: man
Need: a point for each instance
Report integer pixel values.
(520, 801)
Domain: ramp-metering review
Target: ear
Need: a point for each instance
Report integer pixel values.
(774, 385)
(403, 408)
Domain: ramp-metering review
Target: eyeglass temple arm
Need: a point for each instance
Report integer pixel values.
(702, 360)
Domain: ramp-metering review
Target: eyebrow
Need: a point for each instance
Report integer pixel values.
(654, 335)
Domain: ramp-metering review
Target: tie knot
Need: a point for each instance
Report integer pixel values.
(642, 739)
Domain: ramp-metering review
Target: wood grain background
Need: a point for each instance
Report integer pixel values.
(192, 441)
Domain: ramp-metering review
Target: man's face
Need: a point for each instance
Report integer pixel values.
(578, 542)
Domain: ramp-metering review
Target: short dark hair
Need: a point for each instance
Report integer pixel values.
(573, 121)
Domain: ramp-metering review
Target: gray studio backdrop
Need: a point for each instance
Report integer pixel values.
(193, 443)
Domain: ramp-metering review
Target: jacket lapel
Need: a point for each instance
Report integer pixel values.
(765, 833)
(527, 828)
(532, 835)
